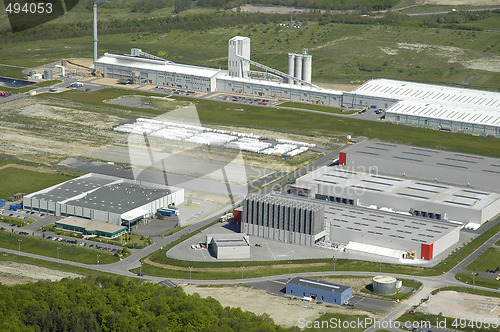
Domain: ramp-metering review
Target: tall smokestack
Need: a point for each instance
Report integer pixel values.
(95, 33)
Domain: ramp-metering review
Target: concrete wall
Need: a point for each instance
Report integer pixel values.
(236, 252)
(319, 294)
(446, 241)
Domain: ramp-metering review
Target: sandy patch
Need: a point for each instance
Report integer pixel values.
(283, 311)
(462, 305)
(389, 51)
(12, 273)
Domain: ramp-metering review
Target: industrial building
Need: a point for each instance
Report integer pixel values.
(465, 170)
(283, 219)
(110, 199)
(430, 106)
(429, 200)
(228, 246)
(91, 227)
(317, 290)
(359, 229)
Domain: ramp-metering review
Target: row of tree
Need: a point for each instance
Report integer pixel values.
(118, 304)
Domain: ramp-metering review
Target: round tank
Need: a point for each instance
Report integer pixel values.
(31, 73)
(298, 66)
(384, 285)
(47, 74)
(306, 67)
(291, 66)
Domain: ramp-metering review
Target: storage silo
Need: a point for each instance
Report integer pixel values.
(298, 66)
(291, 66)
(47, 74)
(306, 67)
(384, 285)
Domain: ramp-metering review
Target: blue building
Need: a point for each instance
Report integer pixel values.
(319, 290)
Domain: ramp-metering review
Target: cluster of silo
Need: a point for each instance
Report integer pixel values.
(300, 66)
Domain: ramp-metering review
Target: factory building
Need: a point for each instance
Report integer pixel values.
(283, 219)
(157, 72)
(317, 290)
(465, 170)
(427, 200)
(228, 246)
(361, 230)
(110, 199)
(431, 106)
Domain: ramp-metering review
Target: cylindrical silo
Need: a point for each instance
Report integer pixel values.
(306, 67)
(384, 285)
(298, 66)
(291, 66)
(47, 74)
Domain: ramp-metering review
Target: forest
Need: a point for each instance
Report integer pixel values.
(118, 304)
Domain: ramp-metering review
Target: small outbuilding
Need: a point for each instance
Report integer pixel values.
(318, 290)
(229, 246)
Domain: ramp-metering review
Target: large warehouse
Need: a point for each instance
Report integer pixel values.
(412, 162)
(419, 198)
(431, 106)
(360, 229)
(106, 198)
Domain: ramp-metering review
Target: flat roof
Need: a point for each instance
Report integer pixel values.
(229, 240)
(156, 65)
(318, 284)
(102, 192)
(91, 225)
(452, 161)
(357, 181)
(280, 85)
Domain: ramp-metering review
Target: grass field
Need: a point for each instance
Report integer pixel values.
(490, 260)
(48, 248)
(313, 107)
(399, 295)
(16, 180)
(469, 279)
(17, 221)
(466, 290)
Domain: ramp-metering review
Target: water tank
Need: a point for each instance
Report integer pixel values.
(306, 67)
(291, 66)
(298, 66)
(47, 74)
(384, 285)
(31, 73)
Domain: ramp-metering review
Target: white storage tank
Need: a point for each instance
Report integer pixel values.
(298, 66)
(384, 285)
(306, 67)
(291, 66)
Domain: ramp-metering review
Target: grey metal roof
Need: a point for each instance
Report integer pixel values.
(72, 188)
(318, 284)
(424, 156)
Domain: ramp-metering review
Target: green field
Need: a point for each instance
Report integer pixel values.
(399, 295)
(16, 180)
(490, 260)
(466, 290)
(48, 248)
(313, 107)
(16, 221)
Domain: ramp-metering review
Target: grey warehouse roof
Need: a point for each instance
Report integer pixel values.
(71, 188)
(317, 284)
(423, 156)
(156, 65)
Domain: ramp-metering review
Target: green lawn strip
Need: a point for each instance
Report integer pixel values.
(17, 221)
(461, 324)
(497, 243)
(58, 231)
(466, 290)
(53, 265)
(334, 322)
(313, 107)
(16, 180)
(48, 248)
(399, 295)
(469, 279)
(490, 259)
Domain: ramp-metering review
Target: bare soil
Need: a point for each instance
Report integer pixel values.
(283, 311)
(12, 273)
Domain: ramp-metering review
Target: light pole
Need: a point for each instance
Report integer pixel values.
(58, 254)
(19, 242)
(289, 267)
(140, 269)
(190, 269)
(380, 265)
(334, 265)
(242, 273)
(98, 259)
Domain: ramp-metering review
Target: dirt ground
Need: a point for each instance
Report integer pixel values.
(462, 305)
(282, 310)
(12, 273)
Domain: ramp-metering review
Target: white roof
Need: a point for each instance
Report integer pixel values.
(376, 250)
(280, 85)
(134, 214)
(155, 65)
(465, 114)
(436, 101)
